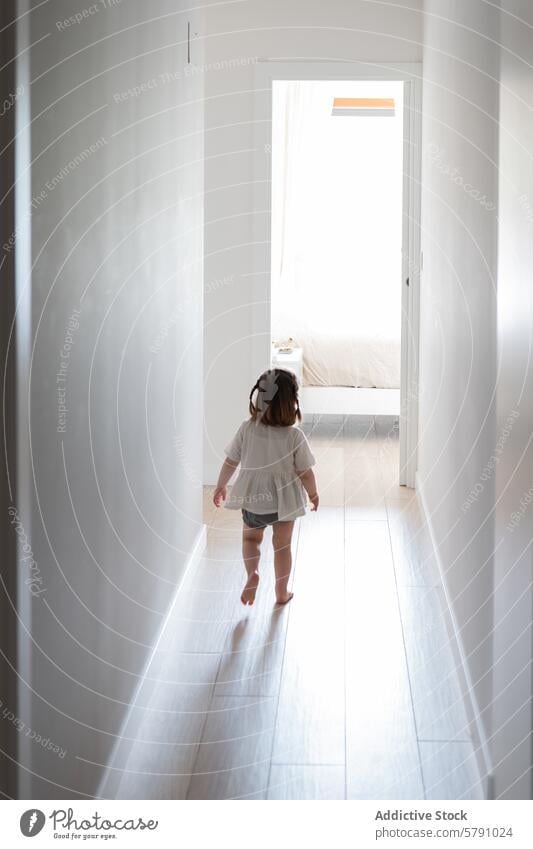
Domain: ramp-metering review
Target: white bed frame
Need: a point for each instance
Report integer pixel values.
(349, 401)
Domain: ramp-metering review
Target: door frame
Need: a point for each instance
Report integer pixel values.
(265, 73)
(12, 589)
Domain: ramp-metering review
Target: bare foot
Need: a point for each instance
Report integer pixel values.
(250, 588)
(284, 598)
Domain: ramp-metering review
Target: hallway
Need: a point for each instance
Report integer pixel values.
(138, 275)
(349, 691)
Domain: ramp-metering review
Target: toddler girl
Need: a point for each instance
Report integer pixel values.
(275, 461)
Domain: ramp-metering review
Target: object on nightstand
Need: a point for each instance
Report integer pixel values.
(285, 347)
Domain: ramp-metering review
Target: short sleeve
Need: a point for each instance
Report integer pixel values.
(303, 456)
(234, 448)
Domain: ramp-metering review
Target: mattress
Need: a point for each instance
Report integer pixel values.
(346, 360)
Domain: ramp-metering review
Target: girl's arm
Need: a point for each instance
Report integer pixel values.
(309, 484)
(228, 467)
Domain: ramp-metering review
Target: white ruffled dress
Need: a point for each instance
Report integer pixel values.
(270, 459)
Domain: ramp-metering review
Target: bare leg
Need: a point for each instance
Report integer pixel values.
(251, 552)
(281, 540)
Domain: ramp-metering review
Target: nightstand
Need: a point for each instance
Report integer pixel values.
(292, 361)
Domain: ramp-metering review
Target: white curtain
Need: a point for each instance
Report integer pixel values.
(336, 220)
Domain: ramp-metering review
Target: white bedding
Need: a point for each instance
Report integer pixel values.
(346, 360)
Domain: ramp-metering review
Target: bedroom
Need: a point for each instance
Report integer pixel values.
(340, 240)
(337, 231)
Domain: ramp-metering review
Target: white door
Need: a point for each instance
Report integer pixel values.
(410, 287)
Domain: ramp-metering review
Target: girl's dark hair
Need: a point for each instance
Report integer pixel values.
(276, 403)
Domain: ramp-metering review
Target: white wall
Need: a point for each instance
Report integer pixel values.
(458, 312)
(476, 407)
(239, 35)
(8, 544)
(512, 719)
(118, 238)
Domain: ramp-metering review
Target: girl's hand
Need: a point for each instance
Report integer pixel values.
(219, 495)
(314, 499)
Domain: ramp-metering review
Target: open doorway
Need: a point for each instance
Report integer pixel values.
(336, 273)
(344, 238)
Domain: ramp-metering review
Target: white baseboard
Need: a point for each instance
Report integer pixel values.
(482, 751)
(193, 559)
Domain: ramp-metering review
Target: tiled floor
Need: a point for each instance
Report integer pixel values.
(348, 691)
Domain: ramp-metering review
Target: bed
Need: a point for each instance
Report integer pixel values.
(350, 375)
